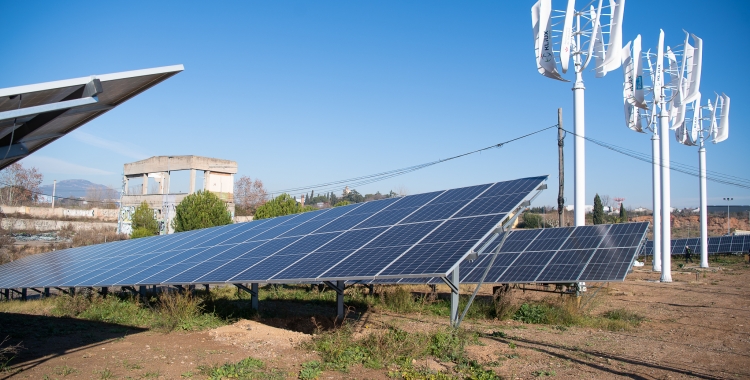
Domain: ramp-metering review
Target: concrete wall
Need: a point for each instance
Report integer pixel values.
(106, 214)
(43, 225)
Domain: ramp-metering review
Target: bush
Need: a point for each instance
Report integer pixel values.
(282, 205)
(200, 210)
(144, 223)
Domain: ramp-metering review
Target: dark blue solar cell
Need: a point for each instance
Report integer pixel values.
(417, 200)
(491, 205)
(430, 258)
(605, 272)
(345, 222)
(159, 277)
(365, 262)
(612, 255)
(517, 241)
(550, 239)
(387, 217)
(307, 244)
(195, 272)
(228, 270)
(566, 273)
(461, 194)
(570, 257)
(521, 273)
(437, 211)
(235, 251)
(267, 268)
(352, 239)
(312, 265)
(183, 256)
(463, 229)
(407, 234)
(270, 247)
(586, 237)
(373, 206)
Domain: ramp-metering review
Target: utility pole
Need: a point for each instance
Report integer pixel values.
(54, 187)
(561, 168)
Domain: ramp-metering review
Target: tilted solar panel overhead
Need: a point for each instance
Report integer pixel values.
(422, 235)
(600, 253)
(716, 244)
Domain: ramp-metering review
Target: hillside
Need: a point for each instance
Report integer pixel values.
(72, 188)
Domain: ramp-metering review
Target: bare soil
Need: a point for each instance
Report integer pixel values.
(696, 327)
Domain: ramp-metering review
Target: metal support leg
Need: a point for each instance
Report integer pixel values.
(23, 294)
(254, 295)
(46, 292)
(104, 291)
(253, 290)
(340, 299)
(453, 282)
(372, 289)
(142, 291)
(339, 287)
(7, 294)
(207, 287)
(155, 289)
(72, 291)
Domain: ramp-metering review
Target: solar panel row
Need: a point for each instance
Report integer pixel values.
(423, 235)
(599, 253)
(716, 244)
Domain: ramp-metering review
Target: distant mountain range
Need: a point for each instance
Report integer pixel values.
(72, 188)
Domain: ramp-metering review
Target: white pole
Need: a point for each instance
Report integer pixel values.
(666, 231)
(579, 172)
(704, 211)
(656, 182)
(54, 187)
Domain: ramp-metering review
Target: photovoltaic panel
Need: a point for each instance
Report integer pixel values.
(422, 235)
(559, 255)
(716, 245)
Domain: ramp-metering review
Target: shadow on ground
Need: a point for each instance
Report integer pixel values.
(44, 337)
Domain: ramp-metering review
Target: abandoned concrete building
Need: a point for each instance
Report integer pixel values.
(164, 181)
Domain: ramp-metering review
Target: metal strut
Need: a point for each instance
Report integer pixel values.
(253, 290)
(339, 288)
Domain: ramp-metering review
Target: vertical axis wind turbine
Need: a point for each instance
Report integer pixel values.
(582, 37)
(696, 134)
(670, 98)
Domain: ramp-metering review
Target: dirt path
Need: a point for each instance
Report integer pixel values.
(694, 329)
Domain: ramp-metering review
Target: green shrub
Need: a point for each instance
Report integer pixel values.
(531, 313)
(200, 210)
(310, 370)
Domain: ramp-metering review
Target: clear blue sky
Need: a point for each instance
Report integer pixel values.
(300, 93)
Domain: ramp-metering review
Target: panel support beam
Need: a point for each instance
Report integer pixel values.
(36, 290)
(62, 290)
(130, 289)
(339, 288)
(104, 291)
(452, 281)
(6, 293)
(46, 292)
(23, 294)
(142, 291)
(253, 290)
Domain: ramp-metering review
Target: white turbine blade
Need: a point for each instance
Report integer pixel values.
(632, 118)
(714, 128)
(695, 78)
(659, 70)
(628, 73)
(614, 48)
(567, 36)
(596, 27)
(545, 57)
(600, 53)
(638, 92)
(674, 79)
(723, 130)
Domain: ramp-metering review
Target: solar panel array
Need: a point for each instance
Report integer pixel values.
(422, 235)
(716, 244)
(601, 253)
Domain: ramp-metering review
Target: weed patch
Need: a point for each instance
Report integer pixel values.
(248, 368)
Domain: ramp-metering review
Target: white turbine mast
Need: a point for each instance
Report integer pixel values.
(592, 33)
(715, 127)
(665, 101)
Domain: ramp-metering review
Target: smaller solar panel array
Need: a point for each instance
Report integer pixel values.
(716, 245)
(600, 253)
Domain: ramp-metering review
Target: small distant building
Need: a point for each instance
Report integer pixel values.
(641, 209)
(152, 178)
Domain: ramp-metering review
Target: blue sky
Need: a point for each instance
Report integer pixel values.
(300, 93)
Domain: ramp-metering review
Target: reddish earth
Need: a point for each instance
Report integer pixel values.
(694, 329)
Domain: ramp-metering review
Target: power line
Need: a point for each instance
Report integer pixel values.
(725, 179)
(364, 180)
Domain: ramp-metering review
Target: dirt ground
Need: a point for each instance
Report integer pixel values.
(696, 327)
